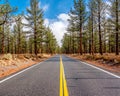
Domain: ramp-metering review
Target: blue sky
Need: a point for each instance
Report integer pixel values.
(55, 7)
(55, 14)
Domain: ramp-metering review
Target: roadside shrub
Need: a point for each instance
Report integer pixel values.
(108, 58)
(39, 56)
(98, 57)
(20, 56)
(2, 63)
(89, 57)
(27, 56)
(7, 57)
(118, 58)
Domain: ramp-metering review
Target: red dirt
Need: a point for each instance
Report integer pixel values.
(7, 70)
(8, 67)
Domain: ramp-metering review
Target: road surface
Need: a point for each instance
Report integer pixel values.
(43, 79)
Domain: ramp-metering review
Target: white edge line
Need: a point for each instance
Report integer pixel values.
(98, 68)
(21, 72)
(102, 70)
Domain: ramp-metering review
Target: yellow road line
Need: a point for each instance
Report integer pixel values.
(63, 83)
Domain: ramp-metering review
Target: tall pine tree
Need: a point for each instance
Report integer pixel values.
(35, 15)
(79, 14)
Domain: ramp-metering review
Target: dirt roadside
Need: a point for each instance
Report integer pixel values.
(10, 66)
(106, 66)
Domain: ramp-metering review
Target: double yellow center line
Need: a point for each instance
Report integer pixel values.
(63, 83)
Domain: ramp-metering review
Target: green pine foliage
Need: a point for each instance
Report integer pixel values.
(15, 39)
(94, 28)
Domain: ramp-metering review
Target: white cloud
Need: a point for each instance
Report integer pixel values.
(24, 21)
(107, 9)
(45, 8)
(46, 22)
(108, 3)
(12, 26)
(64, 17)
(58, 26)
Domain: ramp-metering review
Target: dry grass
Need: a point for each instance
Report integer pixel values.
(12, 63)
(109, 62)
(97, 57)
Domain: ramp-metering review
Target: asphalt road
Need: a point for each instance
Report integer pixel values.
(43, 80)
(83, 80)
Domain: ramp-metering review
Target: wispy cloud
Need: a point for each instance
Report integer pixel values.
(46, 7)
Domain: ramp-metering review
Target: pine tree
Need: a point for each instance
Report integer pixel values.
(50, 41)
(117, 27)
(79, 13)
(91, 25)
(35, 15)
(115, 23)
(5, 12)
(18, 28)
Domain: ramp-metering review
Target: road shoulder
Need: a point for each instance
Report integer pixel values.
(110, 68)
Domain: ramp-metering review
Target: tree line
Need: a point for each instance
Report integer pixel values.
(15, 39)
(94, 27)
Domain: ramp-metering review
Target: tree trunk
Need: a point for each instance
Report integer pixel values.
(35, 42)
(3, 37)
(109, 46)
(81, 40)
(117, 29)
(92, 45)
(8, 46)
(19, 41)
(100, 37)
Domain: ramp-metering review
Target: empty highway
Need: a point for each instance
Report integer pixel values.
(72, 78)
